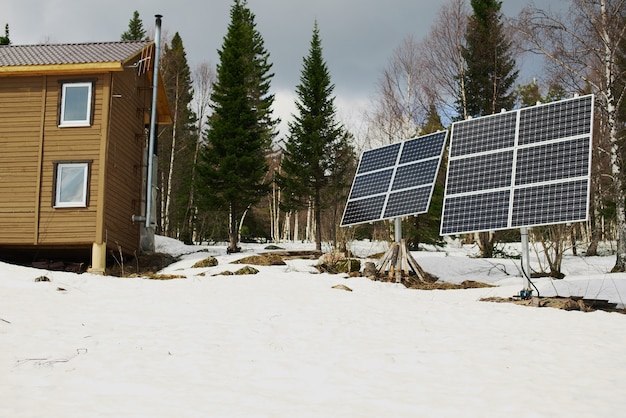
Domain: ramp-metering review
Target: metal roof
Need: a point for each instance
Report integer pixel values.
(62, 54)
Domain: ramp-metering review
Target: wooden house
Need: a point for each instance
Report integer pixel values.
(73, 144)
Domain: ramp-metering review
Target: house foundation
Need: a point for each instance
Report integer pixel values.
(98, 258)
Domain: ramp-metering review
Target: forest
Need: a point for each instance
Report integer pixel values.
(225, 174)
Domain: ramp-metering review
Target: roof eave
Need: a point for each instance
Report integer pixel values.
(52, 69)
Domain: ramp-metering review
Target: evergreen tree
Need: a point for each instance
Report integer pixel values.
(135, 30)
(4, 40)
(424, 228)
(314, 136)
(530, 94)
(177, 142)
(490, 72)
(489, 75)
(231, 166)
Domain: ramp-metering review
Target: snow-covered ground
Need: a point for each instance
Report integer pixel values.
(285, 343)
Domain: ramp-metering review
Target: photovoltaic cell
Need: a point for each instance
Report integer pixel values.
(490, 211)
(371, 184)
(378, 158)
(480, 172)
(484, 134)
(395, 180)
(421, 148)
(408, 201)
(417, 174)
(363, 210)
(553, 161)
(555, 120)
(519, 169)
(550, 203)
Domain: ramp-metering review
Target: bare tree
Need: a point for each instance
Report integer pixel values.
(203, 79)
(403, 100)
(442, 54)
(585, 44)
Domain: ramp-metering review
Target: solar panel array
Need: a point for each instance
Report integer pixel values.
(395, 180)
(522, 168)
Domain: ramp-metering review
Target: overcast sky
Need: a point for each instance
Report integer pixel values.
(358, 36)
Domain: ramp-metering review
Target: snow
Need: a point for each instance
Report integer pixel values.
(284, 343)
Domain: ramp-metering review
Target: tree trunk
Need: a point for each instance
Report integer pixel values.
(233, 232)
(318, 221)
(485, 243)
(168, 194)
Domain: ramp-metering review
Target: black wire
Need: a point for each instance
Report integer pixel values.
(526, 275)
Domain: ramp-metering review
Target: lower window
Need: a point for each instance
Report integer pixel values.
(71, 189)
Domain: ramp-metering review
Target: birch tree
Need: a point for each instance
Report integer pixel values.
(203, 79)
(442, 55)
(584, 45)
(176, 145)
(402, 98)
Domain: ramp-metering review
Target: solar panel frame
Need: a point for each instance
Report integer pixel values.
(413, 164)
(549, 177)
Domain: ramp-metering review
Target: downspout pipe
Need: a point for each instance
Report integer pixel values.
(153, 118)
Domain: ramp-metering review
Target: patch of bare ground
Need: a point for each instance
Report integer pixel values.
(277, 258)
(423, 285)
(267, 259)
(558, 302)
(144, 265)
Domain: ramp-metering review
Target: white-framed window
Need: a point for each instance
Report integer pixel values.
(76, 104)
(72, 179)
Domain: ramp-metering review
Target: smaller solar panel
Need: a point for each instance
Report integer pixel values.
(395, 180)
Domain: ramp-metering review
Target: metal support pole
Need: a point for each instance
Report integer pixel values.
(398, 230)
(525, 258)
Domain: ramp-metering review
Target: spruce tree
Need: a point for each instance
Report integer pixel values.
(489, 76)
(4, 40)
(232, 167)
(314, 137)
(177, 142)
(135, 30)
(490, 72)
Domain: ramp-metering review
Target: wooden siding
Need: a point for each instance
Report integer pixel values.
(125, 159)
(20, 115)
(69, 225)
(30, 144)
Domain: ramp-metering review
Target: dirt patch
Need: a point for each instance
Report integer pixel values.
(564, 303)
(467, 284)
(303, 255)
(268, 259)
(207, 262)
(143, 265)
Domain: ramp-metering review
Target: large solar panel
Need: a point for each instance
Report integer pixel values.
(395, 180)
(522, 168)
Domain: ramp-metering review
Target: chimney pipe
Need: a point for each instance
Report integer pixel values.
(153, 117)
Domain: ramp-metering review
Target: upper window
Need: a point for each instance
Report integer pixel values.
(76, 104)
(71, 185)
